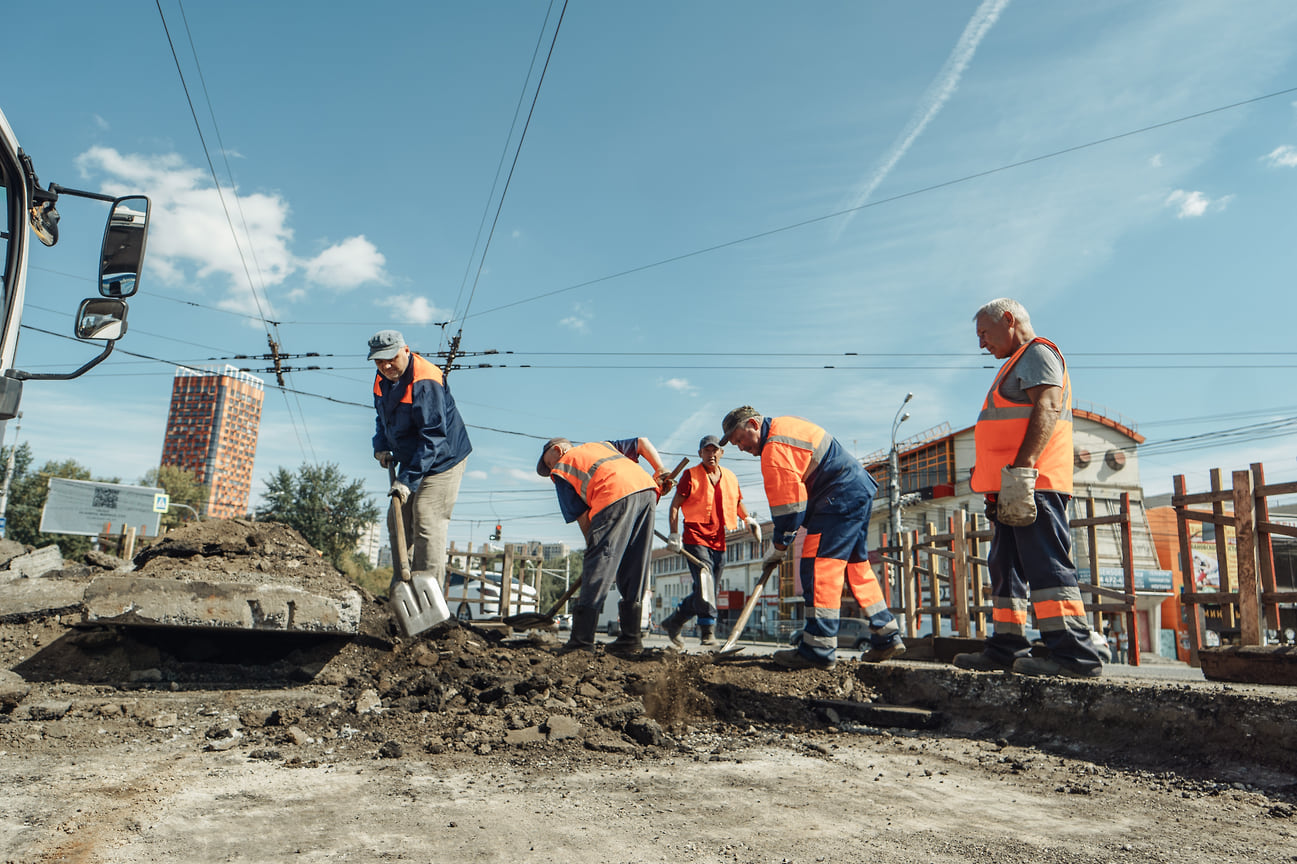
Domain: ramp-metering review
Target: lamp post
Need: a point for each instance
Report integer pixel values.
(893, 476)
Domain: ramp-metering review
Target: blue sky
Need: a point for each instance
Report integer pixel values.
(363, 148)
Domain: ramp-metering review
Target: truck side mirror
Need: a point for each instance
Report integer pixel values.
(99, 318)
(122, 257)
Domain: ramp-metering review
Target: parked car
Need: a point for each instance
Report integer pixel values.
(852, 633)
(474, 597)
(564, 622)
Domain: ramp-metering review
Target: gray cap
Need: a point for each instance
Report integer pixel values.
(734, 418)
(385, 344)
(541, 468)
(708, 441)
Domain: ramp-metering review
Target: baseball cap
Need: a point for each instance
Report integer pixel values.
(541, 468)
(708, 441)
(734, 418)
(385, 344)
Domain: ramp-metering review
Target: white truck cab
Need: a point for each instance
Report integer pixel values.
(27, 205)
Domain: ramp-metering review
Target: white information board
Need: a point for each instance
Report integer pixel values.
(83, 507)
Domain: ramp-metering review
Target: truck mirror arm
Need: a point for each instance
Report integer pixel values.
(61, 376)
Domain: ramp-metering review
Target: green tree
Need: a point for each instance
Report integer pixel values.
(182, 488)
(329, 511)
(27, 492)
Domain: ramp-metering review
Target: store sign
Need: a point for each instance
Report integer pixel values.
(729, 599)
(83, 507)
(1115, 577)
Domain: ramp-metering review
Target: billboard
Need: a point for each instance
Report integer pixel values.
(84, 506)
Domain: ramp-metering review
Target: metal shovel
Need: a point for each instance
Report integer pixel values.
(535, 620)
(706, 582)
(416, 600)
(728, 650)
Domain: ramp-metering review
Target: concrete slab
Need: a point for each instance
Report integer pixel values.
(1269, 664)
(37, 563)
(27, 598)
(256, 604)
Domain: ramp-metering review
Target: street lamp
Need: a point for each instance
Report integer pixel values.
(893, 476)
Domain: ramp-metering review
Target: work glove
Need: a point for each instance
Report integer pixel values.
(990, 508)
(401, 491)
(384, 457)
(673, 542)
(775, 556)
(665, 482)
(1017, 499)
(755, 527)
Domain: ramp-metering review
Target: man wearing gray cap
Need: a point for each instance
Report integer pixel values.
(419, 429)
(709, 497)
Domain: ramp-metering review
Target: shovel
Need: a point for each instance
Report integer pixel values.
(706, 582)
(535, 620)
(728, 650)
(416, 600)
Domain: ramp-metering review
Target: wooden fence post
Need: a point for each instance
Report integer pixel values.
(1128, 571)
(959, 574)
(1264, 546)
(1249, 592)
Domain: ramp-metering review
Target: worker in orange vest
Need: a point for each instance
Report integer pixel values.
(812, 482)
(709, 497)
(1023, 441)
(601, 487)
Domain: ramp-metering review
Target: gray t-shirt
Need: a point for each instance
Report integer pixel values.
(1038, 365)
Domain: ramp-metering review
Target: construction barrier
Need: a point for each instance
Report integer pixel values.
(1247, 594)
(943, 576)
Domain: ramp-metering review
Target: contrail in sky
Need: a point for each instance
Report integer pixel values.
(934, 98)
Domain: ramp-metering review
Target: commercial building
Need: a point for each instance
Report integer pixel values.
(212, 433)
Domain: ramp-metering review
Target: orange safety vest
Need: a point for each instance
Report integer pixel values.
(601, 475)
(1002, 426)
(792, 452)
(423, 371)
(697, 508)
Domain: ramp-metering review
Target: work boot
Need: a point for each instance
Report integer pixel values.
(672, 626)
(630, 643)
(706, 634)
(794, 659)
(983, 662)
(878, 655)
(584, 621)
(1050, 666)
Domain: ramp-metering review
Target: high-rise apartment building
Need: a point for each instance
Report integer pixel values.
(212, 433)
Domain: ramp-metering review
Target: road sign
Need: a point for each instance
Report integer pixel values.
(82, 507)
(161, 502)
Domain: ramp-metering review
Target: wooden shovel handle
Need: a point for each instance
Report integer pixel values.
(400, 560)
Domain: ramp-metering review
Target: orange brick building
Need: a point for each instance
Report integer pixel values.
(212, 433)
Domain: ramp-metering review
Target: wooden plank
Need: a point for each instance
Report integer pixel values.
(1209, 518)
(959, 577)
(1276, 528)
(1092, 546)
(1201, 497)
(1210, 598)
(1187, 572)
(1128, 565)
(908, 597)
(1264, 546)
(1251, 664)
(1089, 521)
(1279, 597)
(1249, 586)
(1276, 489)
(1114, 593)
(934, 588)
(1222, 554)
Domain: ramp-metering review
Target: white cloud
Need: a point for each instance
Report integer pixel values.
(190, 236)
(412, 309)
(349, 264)
(681, 385)
(579, 320)
(477, 475)
(1282, 157)
(1190, 205)
(1156, 161)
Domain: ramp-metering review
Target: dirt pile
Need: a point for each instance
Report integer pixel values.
(456, 689)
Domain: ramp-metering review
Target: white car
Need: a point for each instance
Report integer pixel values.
(477, 596)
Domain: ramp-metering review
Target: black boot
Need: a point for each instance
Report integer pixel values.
(706, 634)
(630, 643)
(675, 622)
(584, 621)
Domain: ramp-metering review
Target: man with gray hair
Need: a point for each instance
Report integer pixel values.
(419, 430)
(1023, 441)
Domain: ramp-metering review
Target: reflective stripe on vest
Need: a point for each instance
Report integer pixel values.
(423, 371)
(697, 508)
(1002, 426)
(792, 452)
(601, 475)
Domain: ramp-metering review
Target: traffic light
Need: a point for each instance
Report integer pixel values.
(496, 535)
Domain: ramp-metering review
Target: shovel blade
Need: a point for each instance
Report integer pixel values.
(707, 585)
(419, 604)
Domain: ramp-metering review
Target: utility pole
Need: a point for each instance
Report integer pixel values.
(9, 473)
